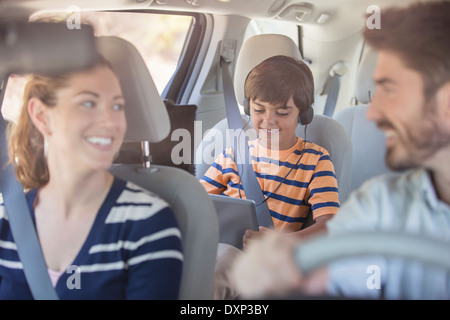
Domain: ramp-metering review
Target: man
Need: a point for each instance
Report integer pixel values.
(412, 106)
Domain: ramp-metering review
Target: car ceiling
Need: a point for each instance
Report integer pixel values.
(342, 17)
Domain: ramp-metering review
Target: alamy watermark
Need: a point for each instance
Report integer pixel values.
(74, 19)
(74, 280)
(373, 282)
(213, 142)
(374, 20)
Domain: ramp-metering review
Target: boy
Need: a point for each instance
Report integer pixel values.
(295, 175)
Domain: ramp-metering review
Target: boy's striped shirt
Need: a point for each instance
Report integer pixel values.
(311, 184)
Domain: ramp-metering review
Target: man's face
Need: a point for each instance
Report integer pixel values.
(414, 131)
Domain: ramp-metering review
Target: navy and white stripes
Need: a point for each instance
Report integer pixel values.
(133, 251)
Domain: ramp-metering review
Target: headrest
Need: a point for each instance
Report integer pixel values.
(257, 49)
(365, 86)
(147, 117)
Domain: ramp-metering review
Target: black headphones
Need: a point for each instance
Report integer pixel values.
(305, 117)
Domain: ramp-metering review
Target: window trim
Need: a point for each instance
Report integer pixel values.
(176, 86)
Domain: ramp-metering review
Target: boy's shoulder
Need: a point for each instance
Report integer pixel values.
(315, 148)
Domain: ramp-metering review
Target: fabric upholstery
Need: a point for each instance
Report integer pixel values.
(368, 141)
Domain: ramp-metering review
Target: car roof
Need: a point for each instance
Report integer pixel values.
(326, 19)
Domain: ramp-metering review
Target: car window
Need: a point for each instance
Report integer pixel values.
(158, 37)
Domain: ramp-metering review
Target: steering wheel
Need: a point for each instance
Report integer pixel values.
(323, 250)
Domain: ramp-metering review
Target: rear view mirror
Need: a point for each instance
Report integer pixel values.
(45, 48)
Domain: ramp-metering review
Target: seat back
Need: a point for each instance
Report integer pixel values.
(148, 121)
(323, 130)
(368, 141)
(196, 218)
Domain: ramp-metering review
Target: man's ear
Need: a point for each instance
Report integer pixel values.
(38, 113)
(443, 100)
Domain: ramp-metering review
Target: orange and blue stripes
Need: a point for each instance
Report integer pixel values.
(311, 185)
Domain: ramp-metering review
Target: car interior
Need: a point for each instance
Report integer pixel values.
(176, 113)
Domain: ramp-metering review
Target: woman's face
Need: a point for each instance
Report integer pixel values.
(87, 126)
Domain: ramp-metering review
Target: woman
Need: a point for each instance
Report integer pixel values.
(123, 240)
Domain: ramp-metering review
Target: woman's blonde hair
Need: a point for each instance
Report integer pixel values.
(26, 143)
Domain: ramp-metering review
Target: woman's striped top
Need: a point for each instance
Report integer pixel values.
(311, 184)
(133, 251)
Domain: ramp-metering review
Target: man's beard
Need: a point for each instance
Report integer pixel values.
(419, 142)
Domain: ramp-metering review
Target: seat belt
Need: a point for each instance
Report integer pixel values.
(332, 95)
(249, 181)
(21, 224)
(332, 87)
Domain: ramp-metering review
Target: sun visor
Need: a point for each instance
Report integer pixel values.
(45, 48)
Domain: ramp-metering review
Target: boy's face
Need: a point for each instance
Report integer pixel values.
(275, 124)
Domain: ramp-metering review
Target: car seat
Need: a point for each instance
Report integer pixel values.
(323, 130)
(368, 141)
(148, 120)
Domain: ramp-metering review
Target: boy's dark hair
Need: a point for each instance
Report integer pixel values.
(421, 39)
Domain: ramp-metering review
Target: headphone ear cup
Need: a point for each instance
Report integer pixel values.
(306, 117)
(246, 106)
